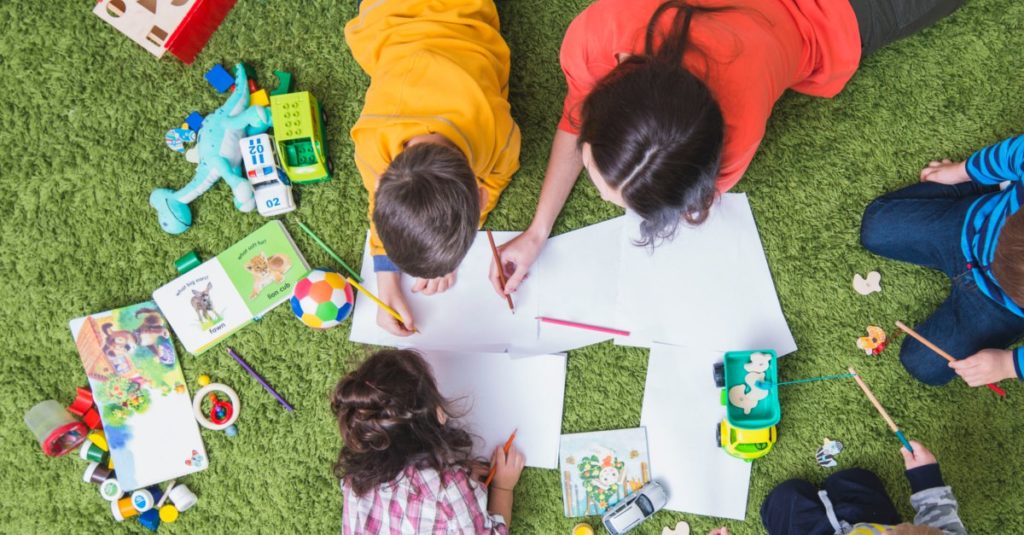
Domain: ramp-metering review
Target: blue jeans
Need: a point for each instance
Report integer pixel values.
(857, 495)
(922, 224)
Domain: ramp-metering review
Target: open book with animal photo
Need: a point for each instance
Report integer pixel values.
(222, 295)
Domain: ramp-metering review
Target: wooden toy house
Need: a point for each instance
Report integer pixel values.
(180, 26)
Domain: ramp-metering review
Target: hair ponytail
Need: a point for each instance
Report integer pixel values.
(655, 130)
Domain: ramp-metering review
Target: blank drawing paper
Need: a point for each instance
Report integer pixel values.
(469, 316)
(681, 411)
(709, 287)
(576, 276)
(499, 393)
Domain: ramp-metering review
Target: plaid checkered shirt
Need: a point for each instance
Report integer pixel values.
(420, 501)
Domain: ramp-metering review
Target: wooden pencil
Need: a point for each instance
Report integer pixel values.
(927, 343)
(501, 270)
(377, 300)
(494, 468)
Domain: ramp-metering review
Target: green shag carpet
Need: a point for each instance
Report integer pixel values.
(83, 115)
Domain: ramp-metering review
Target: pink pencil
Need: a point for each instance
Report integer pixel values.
(566, 323)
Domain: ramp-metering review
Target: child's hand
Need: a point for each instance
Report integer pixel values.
(516, 257)
(920, 457)
(389, 286)
(434, 286)
(945, 172)
(509, 467)
(986, 366)
(478, 470)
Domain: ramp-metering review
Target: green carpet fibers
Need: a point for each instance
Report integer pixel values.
(84, 111)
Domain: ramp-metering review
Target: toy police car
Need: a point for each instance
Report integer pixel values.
(272, 187)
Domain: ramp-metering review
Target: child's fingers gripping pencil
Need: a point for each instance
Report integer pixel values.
(494, 467)
(881, 410)
(927, 343)
(380, 303)
(501, 270)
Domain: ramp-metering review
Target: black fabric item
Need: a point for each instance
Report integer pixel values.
(857, 495)
(883, 21)
(925, 477)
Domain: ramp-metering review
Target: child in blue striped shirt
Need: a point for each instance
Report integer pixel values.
(959, 221)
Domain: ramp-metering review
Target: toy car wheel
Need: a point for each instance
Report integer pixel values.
(718, 435)
(719, 374)
(330, 167)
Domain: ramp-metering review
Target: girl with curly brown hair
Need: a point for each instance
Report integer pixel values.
(405, 466)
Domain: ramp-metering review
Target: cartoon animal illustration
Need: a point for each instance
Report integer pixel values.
(153, 335)
(603, 476)
(826, 454)
(118, 346)
(875, 342)
(267, 270)
(219, 157)
(202, 303)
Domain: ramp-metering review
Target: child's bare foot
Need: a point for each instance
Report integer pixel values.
(945, 172)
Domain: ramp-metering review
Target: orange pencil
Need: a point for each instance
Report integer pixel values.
(508, 446)
(501, 270)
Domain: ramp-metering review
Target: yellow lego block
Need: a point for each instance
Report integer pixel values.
(259, 97)
(99, 439)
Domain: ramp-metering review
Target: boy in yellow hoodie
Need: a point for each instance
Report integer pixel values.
(435, 143)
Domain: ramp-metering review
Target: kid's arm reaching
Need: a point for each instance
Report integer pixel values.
(564, 166)
(932, 499)
(508, 469)
(999, 162)
(389, 286)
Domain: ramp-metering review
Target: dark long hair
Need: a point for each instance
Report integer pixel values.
(655, 131)
(387, 412)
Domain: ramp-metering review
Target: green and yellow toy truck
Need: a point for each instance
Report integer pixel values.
(748, 433)
(299, 136)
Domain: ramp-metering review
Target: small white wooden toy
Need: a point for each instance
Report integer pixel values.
(869, 285)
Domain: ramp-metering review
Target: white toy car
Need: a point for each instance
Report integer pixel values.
(272, 187)
(635, 508)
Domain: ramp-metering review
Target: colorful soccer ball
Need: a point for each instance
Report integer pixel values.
(322, 299)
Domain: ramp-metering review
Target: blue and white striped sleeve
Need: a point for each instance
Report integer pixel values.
(996, 163)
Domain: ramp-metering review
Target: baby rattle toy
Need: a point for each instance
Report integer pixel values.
(219, 157)
(222, 413)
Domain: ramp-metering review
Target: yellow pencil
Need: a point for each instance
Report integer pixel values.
(377, 300)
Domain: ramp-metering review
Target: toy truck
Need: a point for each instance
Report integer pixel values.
(748, 435)
(272, 187)
(299, 135)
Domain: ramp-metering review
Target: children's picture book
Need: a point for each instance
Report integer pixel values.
(601, 468)
(225, 293)
(140, 394)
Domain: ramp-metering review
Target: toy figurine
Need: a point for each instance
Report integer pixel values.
(219, 157)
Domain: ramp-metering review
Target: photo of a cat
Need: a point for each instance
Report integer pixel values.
(266, 270)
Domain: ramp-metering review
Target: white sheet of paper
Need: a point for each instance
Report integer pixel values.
(681, 410)
(576, 276)
(502, 393)
(708, 288)
(469, 316)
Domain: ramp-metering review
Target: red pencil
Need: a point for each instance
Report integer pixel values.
(566, 323)
(494, 468)
(501, 270)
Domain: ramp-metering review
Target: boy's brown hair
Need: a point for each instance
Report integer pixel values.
(1008, 262)
(427, 209)
(388, 411)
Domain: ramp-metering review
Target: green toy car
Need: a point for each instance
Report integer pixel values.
(746, 444)
(299, 136)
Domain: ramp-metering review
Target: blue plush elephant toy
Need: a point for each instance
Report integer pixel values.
(219, 157)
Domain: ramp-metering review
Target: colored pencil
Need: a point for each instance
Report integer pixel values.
(881, 410)
(377, 300)
(266, 386)
(567, 323)
(494, 468)
(501, 270)
(329, 251)
(927, 343)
